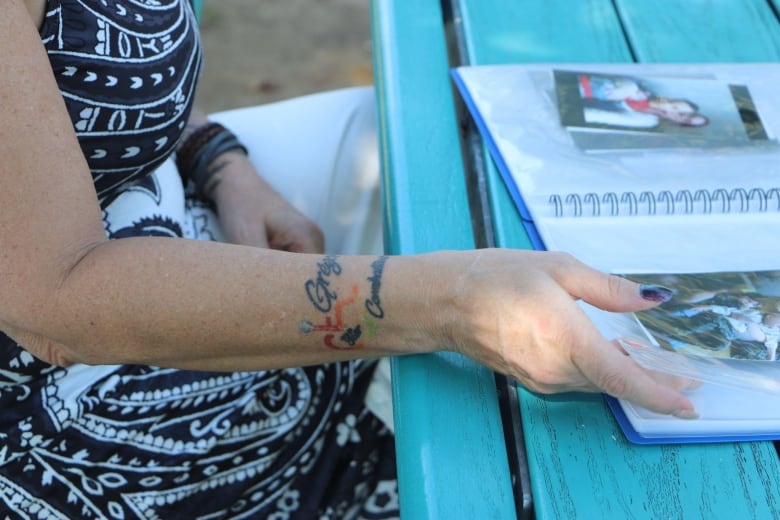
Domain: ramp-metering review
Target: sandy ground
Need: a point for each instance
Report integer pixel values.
(258, 51)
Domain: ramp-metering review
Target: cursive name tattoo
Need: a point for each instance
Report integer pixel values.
(374, 302)
(318, 289)
(337, 332)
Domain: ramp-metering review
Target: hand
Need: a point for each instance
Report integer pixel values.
(516, 312)
(252, 213)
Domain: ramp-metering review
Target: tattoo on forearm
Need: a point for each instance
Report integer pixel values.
(339, 335)
(318, 290)
(374, 304)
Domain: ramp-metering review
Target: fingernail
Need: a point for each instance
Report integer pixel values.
(655, 293)
(692, 385)
(686, 414)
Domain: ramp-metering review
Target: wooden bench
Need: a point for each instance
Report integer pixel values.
(442, 191)
(421, 157)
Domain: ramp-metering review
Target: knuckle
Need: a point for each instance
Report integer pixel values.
(563, 265)
(615, 285)
(563, 260)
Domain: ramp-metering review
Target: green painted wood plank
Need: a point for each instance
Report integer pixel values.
(584, 466)
(580, 463)
(671, 31)
(533, 31)
(452, 459)
(197, 7)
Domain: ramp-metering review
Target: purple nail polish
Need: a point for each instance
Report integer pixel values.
(655, 293)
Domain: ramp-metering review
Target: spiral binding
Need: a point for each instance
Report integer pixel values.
(666, 202)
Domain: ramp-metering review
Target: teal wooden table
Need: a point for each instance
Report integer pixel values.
(459, 455)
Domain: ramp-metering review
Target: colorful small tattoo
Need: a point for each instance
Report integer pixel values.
(337, 334)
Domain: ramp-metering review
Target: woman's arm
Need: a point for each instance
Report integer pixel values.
(72, 295)
(70, 291)
(250, 211)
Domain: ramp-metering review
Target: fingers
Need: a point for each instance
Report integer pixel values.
(616, 374)
(680, 383)
(683, 384)
(305, 245)
(609, 292)
(607, 368)
(297, 235)
(312, 240)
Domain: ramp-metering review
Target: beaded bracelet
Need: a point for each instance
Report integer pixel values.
(201, 148)
(185, 153)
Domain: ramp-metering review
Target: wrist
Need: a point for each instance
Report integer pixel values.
(420, 303)
(197, 158)
(228, 173)
(454, 292)
(236, 181)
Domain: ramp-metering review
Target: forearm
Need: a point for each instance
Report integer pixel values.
(202, 305)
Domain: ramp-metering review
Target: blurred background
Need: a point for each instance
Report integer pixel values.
(258, 51)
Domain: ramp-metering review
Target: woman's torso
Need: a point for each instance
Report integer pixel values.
(127, 72)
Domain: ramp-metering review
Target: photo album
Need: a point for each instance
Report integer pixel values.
(664, 174)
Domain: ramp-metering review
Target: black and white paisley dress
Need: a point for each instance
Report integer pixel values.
(126, 442)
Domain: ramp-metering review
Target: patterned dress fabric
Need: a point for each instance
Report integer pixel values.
(125, 441)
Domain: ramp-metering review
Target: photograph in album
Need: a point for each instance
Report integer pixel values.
(720, 328)
(619, 112)
(728, 315)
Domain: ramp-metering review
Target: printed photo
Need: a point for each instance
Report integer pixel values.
(725, 315)
(613, 111)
